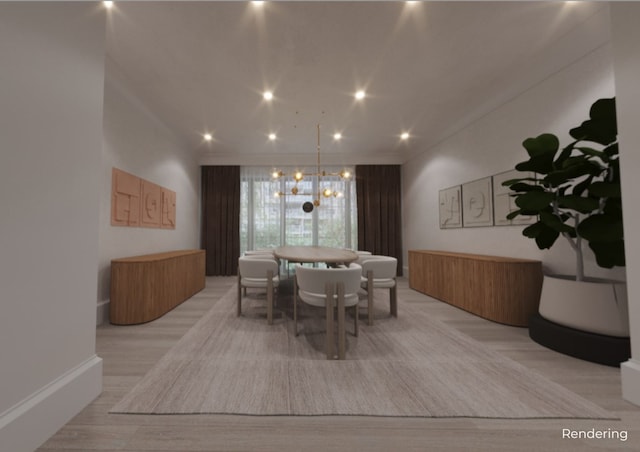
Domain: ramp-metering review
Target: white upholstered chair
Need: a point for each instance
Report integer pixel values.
(259, 274)
(379, 272)
(331, 288)
(261, 252)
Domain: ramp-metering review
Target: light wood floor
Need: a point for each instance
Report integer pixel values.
(129, 351)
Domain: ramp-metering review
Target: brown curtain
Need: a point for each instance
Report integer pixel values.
(379, 194)
(220, 236)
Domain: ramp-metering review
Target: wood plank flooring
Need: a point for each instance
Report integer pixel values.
(129, 351)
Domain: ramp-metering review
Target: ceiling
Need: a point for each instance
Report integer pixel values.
(428, 68)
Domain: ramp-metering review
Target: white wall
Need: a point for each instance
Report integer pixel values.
(493, 144)
(51, 78)
(626, 36)
(137, 142)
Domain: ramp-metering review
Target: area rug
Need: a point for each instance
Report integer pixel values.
(412, 365)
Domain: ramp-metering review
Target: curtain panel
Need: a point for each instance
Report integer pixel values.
(220, 234)
(379, 194)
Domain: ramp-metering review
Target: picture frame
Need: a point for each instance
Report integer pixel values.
(477, 203)
(450, 207)
(503, 201)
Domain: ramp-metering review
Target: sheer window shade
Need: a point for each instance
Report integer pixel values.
(268, 221)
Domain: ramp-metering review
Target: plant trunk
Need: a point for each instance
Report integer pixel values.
(577, 247)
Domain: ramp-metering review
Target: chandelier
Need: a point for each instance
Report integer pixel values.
(298, 176)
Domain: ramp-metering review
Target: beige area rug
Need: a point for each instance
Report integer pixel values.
(409, 366)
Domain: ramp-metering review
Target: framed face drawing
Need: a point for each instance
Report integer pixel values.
(477, 203)
(504, 203)
(449, 203)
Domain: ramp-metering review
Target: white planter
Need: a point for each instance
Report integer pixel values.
(596, 305)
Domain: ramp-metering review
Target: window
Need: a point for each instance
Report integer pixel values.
(268, 221)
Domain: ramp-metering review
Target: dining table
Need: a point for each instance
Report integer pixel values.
(313, 254)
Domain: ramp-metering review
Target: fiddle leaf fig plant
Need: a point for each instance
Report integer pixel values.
(576, 189)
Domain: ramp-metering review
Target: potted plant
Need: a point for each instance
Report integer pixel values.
(576, 195)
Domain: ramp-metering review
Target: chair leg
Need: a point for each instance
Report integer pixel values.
(355, 320)
(370, 296)
(270, 297)
(393, 299)
(341, 327)
(295, 304)
(329, 314)
(239, 295)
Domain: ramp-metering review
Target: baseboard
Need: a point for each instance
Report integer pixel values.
(28, 424)
(102, 312)
(630, 372)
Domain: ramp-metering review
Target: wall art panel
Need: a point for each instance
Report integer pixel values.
(504, 203)
(450, 208)
(139, 202)
(151, 211)
(168, 209)
(125, 199)
(477, 209)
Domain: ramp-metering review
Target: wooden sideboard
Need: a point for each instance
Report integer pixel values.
(144, 288)
(502, 289)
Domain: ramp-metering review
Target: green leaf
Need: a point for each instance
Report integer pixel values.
(542, 145)
(601, 228)
(574, 169)
(564, 155)
(605, 190)
(554, 222)
(613, 208)
(510, 182)
(601, 127)
(580, 188)
(522, 187)
(512, 215)
(593, 153)
(611, 151)
(541, 150)
(544, 236)
(578, 203)
(534, 200)
(609, 254)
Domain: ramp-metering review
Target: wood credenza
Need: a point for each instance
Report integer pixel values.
(144, 288)
(502, 289)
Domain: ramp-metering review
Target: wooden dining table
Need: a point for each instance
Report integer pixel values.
(313, 254)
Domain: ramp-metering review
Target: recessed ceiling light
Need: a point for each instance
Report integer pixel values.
(404, 136)
(257, 3)
(107, 4)
(360, 95)
(337, 136)
(267, 95)
(208, 136)
(272, 136)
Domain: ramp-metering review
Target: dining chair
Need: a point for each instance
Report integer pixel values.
(259, 274)
(259, 252)
(379, 272)
(331, 288)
